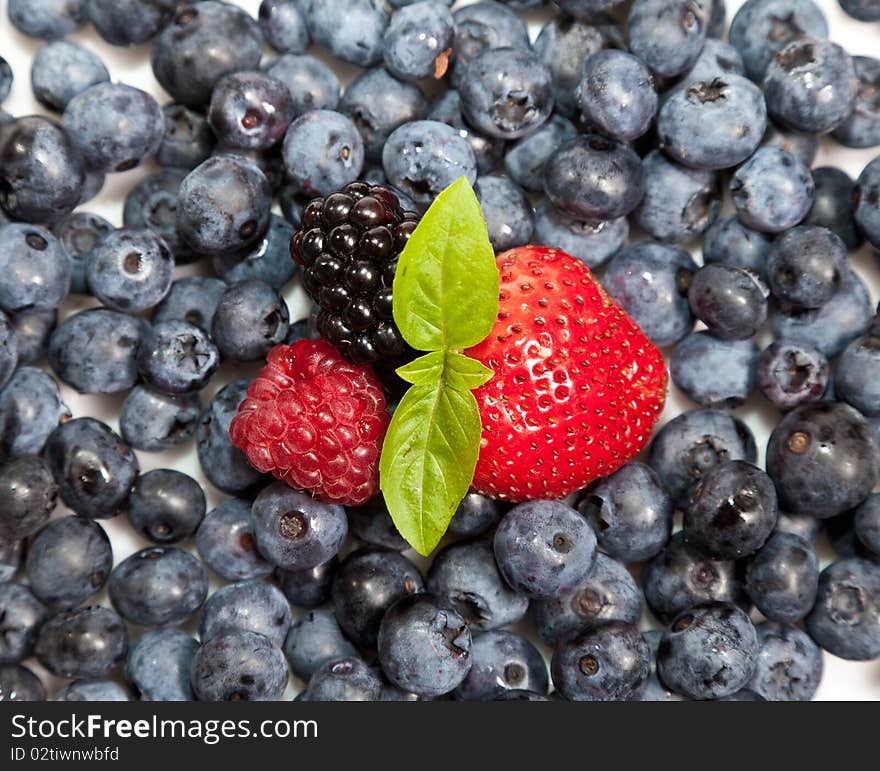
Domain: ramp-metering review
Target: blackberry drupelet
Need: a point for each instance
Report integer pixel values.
(348, 245)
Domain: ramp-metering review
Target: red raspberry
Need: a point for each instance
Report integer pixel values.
(316, 422)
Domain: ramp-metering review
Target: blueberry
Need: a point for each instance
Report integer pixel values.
(791, 373)
(833, 326)
(254, 606)
(762, 28)
(94, 469)
(682, 576)
(424, 645)
(268, 260)
(21, 615)
(488, 151)
(250, 318)
(475, 515)
(158, 586)
(312, 84)
(861, 128)
(250, 110)
(239, 666)
(709, 652)
(177, 357)
(465, 576)
(424, 157)
(810, 85)
(127, 22)
(47, 19)
(717, 60)
(188, 139)
(608, 663)
(10, 558)
(367, 583)
(294, 531)
(69, 561)
(27, 496)
(351, 30)
(223, 205)
(323, 151)
(345, 679)
(731, 302)
(154, 421)
(782, 577)
(8, 350)
(512, 105)
(200, 45)
(193, 299)
(41, 171)
(651, 281)
(6, 78)
(863, 10)
(833, 205)
(86, 642)
(867, 523)
(713, 372)
(544, 548)
(314, 639)
(616, 95)
(867, 202)
(418, 41)
(591, 177)
(283, 24)
(525, 158)
(804, 525)
(856, 373)
(378, 103)
(35, 268)
(225, 466)
(78, 234)
(166, 505)
(845, 620)
(506, 210)
(93, 690)
(483, 26)
(713, 124)
(593, 242)
(668, 35)
(789, 664)
(823, 459)
(310, 587)
(772, 191)
(152, 204)
(226, 544)
(115, 126)
(32, 330)
(18, 683)
(158, 665)
(32, 406)
(731, 243)
(63, 69)
(609, 593)
(372, 524)
(630, 512)
(801, 145)
(503, 661)
(679, 202)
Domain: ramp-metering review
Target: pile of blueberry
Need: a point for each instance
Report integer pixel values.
(616, 115)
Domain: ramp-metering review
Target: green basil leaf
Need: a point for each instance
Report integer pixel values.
(428, 460)
(426, 370)
(446, 284)
(465, 373)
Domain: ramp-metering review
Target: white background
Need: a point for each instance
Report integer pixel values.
(842, 680)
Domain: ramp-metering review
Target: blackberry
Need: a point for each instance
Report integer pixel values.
(348, 245)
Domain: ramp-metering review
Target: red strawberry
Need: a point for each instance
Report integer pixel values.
(577, 386)
(316, 422)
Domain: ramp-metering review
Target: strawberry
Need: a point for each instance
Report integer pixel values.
(577, 386)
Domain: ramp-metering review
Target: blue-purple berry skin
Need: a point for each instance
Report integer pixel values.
(352, 30)
(312, 84)
(525, 158)
(861, 128)
(782, 578)
(789, 664)
(503, 661)
(418, 41)
(284, 26)
(239, 666)
(61, 70)
(158, 665)
(593, 242)
(225, 542)
(867, 206)
(792, 373)
(668, 35)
